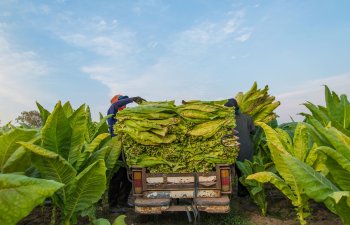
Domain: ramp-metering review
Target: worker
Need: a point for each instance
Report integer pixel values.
(245, 127)
(120, 186)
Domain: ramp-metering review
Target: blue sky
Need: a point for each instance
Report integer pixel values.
(87, 51)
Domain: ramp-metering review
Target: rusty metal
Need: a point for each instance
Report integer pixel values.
(150, 210)
(214, 209)
(182, 194)
(224, 200)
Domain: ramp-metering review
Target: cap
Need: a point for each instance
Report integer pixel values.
(232, 103)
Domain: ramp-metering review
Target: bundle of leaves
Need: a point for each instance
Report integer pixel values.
(258, 104)
(187, 138)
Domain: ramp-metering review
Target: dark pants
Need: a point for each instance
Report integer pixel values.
(119, 188)
(241, 189)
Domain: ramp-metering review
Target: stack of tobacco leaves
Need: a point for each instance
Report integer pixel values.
(258, 103)
(188, 138)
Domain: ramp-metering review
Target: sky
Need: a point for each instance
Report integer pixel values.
(88, 51)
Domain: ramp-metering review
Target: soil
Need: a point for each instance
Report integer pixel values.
(243, 212)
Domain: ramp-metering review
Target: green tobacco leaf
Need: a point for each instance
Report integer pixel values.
(101, 221)
(250, 92)
(101, 127)
(312, 156)
(90, 125)
(19, 161)
(277, 151)
(68, 109)
(9, 145)
(207, 129)
(95, 156)
(301, 142)
(337, 139)
(120, 220)
(87, 189)
(52, 166)
(264, 177)
(44, 114)
(244, 167)
(339, 203)
(339, 167)
(267, 110)
(20, 194)
(317, 113)
(78, 124)
(91, 147)
(316, 136)
(336, 109)
(346, 103)
(113, 152)
(56, 134)
(286, 140)
(314, 184)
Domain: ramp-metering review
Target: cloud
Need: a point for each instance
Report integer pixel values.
(244, 37)
(174, 75)
(102, 37)
(201, 37)
(19, 75)
(231, 26)
(312, 91)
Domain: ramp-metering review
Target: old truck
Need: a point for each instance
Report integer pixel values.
(198, 136)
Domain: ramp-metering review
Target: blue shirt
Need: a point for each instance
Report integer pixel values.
(113, 109)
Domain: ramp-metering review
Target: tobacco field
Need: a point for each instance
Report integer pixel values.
(59, 173)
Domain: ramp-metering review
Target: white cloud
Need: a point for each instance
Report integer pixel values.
(231, 26)
(19, 75)
(244, 37)
(172, 76)
(201, 37)
(98, 35)
(312, 91)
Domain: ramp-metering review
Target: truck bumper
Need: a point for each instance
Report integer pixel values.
(157, 206)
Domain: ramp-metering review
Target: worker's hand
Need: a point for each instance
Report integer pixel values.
(139, 100)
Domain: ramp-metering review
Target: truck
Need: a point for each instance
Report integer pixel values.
(198, 137)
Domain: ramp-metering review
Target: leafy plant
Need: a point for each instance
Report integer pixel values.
(65, 155)
(282, 148)
(256, 189)
(20, 194)
(336, 149)
(336, 112)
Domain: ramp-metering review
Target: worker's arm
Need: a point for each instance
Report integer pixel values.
(121, 103)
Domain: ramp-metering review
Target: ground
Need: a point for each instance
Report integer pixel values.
(243, 212)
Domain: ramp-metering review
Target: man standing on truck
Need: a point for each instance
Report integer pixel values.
(245, 127)
(120, 186)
